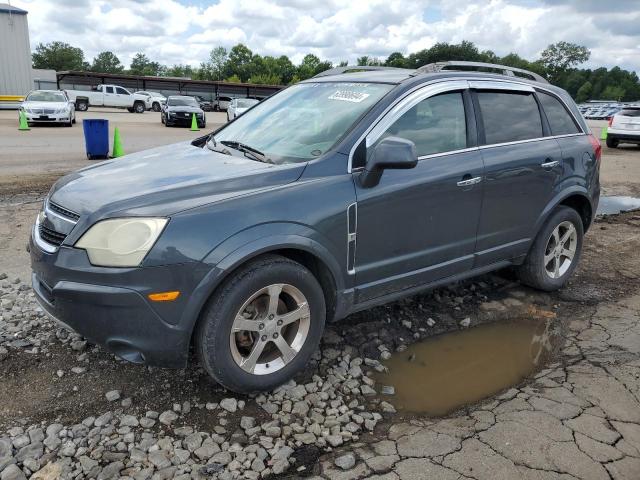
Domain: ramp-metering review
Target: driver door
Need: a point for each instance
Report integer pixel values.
(419, 225)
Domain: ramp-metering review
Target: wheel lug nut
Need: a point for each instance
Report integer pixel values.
(275, 335)
(263, 338)
(271, 317)
(261, 326)
(279, 322)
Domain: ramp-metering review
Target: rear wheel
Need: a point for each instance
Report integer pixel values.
(262, 326)
(612, 142)
(82, 105)
(555, 252)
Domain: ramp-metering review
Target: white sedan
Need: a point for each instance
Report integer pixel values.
(238, 106)
(49, 106)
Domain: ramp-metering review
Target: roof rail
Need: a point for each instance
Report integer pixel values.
(502, 69)
(353, 69)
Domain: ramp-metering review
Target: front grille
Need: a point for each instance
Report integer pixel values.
(64, 212)
(51, 236)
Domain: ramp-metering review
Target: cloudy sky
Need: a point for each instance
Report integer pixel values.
(184, 31)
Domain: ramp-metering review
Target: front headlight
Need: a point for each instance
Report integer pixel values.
(121, 242)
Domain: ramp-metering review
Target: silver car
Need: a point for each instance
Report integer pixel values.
(49, 106)
(238, 106)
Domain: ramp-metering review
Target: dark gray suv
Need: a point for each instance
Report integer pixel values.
(339, 193)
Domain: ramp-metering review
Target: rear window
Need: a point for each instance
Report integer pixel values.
(630, 112)
(559, 118)
(509, 116)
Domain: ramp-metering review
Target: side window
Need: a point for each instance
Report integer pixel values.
(509, 116)
(436, 124)
(121, 91)
(109, 89)
(559, 118)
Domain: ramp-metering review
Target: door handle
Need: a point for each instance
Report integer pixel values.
(550, 163)
(469, 181)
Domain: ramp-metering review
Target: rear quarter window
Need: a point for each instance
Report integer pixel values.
(559, 118)
(509, 116)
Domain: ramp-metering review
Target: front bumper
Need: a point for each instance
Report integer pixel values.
(50, 118)
(182, 120)
(109, 306)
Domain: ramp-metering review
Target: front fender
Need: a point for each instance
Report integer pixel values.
(250, 243)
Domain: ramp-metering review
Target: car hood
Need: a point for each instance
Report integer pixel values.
(166, 180)
(38, 105)
(184, 108)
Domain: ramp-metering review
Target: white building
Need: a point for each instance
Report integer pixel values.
(16, 78)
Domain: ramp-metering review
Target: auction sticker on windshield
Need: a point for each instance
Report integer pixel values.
(349, 96)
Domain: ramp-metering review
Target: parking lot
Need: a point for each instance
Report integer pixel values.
(30, 159)
(76, 411)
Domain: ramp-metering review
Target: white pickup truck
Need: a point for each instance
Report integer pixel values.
(109, 96)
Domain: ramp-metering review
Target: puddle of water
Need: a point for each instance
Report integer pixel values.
(617, 204)
(447, 371)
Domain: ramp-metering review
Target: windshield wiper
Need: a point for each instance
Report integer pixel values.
(247, 150)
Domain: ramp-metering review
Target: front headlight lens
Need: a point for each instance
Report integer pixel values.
(121, 242)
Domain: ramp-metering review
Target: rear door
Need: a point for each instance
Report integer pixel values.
(522, 166)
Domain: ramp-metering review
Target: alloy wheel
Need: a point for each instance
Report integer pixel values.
(270, 329)
(560, 250)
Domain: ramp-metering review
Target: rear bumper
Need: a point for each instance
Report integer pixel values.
(631, 136)
(110, 307)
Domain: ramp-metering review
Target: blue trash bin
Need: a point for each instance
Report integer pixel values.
(96, 138)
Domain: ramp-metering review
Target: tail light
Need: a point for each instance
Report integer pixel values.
(610, 120)
(597, 148)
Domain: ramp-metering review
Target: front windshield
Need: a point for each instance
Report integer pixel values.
(246, 103)
(182, 102)
(46, 97)
(303, 121)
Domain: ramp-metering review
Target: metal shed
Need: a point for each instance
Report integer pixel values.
(210, 90)
(15, 54)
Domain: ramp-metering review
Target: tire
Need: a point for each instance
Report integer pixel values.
(82, 106)
(69, 123)
(248, 290)
(74, 119)
(612, 142)
(541, 268)
(139, 107)
(155, 107)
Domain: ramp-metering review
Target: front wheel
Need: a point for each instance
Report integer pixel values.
(555, 252)
(262, 325)
(612, 142)
(156, 107)
(139, 107)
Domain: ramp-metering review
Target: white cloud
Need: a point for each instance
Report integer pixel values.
(173, 32)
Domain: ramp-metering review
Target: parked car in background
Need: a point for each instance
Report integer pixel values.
(336, 194)
(109, 96)
(179, 110)
(49, 106)
(624, 127)
(238, 106)
(156, 100)
(205, 105)
(221, 104)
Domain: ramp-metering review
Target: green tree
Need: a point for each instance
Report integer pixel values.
(217, 60)
(106, 62)
(59, 56)
(442, 51)
(366, 60)
(559, 57)
(141, 65)
(584, 92)
(234, 79)
(613, 92)
(239, 61)
(396, 59)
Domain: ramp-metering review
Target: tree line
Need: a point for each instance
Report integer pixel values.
(559, 63)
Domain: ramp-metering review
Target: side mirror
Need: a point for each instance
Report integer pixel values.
(391, 152)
